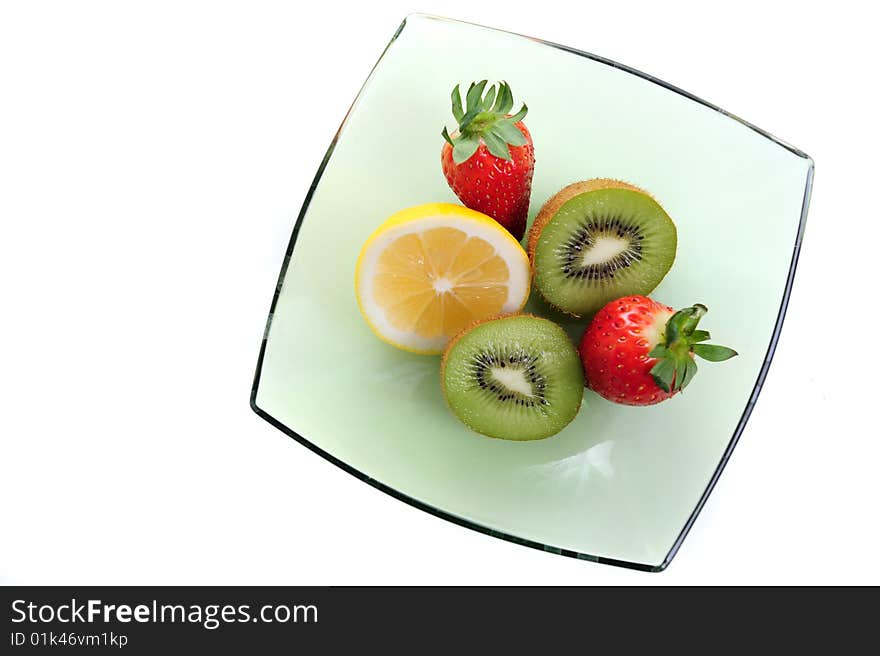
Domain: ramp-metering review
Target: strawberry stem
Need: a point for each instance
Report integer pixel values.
(676, 367)
(485, 118)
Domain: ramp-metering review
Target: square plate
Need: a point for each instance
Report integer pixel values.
(619, 485)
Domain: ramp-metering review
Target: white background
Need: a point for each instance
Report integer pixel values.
(153, 157)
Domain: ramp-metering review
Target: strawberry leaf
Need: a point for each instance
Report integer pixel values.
(506, 100)
(496, 145)
(464, 148)
(510, 133)
(690, 370)
(699, 336)
(457, 111)
(474, 94)
(467, 119)
(489, 99)
(714, 353)
(663, 374)
(503, 89)
(520, 115)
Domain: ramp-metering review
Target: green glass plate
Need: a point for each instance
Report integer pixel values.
(619, 485)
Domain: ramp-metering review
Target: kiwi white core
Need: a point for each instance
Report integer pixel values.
(604, 249)
(513, 379)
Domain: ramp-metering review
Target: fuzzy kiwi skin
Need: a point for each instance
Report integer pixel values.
(464, 331)
(553, 205)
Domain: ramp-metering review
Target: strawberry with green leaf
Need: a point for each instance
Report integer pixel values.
(489, 160)
(637, 351)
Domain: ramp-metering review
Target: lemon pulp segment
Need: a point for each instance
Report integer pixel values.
(423, 277)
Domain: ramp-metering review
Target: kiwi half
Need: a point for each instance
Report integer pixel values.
(598, 240)
(515, 378)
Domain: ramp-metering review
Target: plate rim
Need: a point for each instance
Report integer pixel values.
(461, 521)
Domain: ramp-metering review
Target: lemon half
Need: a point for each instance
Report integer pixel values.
(430, 270)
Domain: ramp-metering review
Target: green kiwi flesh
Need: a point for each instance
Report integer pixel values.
(514, 378)
(601, 245)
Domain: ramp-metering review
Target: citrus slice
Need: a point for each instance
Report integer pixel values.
(430, 270)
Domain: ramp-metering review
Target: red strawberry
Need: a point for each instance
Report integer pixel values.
(640, 352)
(489, 161)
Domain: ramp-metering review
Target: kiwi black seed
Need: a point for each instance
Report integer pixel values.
(598, 240)
(516, 378)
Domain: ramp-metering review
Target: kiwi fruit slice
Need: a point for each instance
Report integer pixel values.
(516, 378)
(598, 240)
